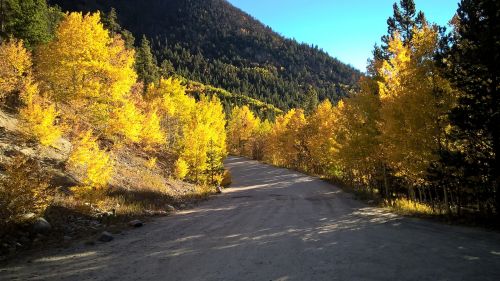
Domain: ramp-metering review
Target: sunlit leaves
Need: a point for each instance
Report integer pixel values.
(240, 130)
(415, 100)
(85, 67)
(94, 164)
(39, 115)
(203, 134)
(15, 63)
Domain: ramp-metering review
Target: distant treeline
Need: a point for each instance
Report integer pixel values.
(217, 44)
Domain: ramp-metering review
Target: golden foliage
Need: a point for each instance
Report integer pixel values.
(94, 165)
(15, 65)
(204, 134)
(126, 121)
(86, 68)
(152, 134)
(356, 135)
(319, 138)
(151, 163)
(390, 131)
(181, 169)
(240, 130)
(174, 108)
(258, 142)
(24, 189)
(39, 116)
(409, 207)
(38, 113)
(413, 116)
(286, 141)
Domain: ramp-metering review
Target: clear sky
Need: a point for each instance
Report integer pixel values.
(346, 29)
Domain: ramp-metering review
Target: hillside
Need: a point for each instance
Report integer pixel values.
(138, 190)
(215, 43)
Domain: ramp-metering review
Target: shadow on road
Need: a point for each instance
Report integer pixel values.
(276, 224)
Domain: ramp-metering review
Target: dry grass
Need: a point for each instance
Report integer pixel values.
(408, 207)
(139, 187)
(226, 178)
(24, 189)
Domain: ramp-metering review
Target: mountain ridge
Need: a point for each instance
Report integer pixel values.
(216, 43)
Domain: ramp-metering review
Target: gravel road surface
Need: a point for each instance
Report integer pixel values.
(276, 224)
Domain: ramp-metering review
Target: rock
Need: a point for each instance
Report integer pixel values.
(136, 223)
(40, 225)
(11, 152)
(182, 206)
(106, 237)
(28, 216)
(67, 238)
(63, 180)
(170, 208)
(219, 189)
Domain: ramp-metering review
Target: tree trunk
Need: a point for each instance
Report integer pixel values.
(386, 187)
(431, 199)
(496, 170)
(446, 203)
(2, 17)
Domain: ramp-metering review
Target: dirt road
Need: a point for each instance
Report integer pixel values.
(276, 224)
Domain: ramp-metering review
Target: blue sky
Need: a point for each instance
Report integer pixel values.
(346, 29)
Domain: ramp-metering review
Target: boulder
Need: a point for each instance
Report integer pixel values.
(106, 237)
(40, 225)
(63, 180)
(136, 223)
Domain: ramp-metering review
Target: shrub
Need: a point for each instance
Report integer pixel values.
(151, 133)
(126, 121)
(15, 63)
(39, 116)
(409, 207)
(24, 189)
(226, 179)
(151, 163)
(181, 169)
(94, 166)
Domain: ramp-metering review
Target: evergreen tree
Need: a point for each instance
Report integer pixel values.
(145, 63)
(111, 23)
(404, 19)
(472, 65)
(228, 49)
(311, 101)
(30, 20)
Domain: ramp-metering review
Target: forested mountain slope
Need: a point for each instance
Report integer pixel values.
(215, 43)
